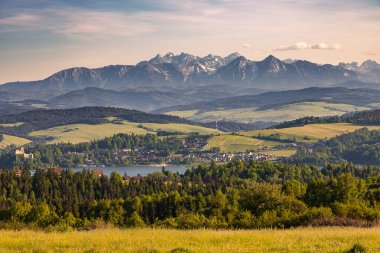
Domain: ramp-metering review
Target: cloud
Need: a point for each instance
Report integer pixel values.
(247, 45)
(370, 53)
(303, 45)
(74, 22)
(323, 45)
(97, 23)
(22, 19)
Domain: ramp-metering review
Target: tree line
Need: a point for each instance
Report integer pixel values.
(369, 117)
(234, 195)
(359, 147)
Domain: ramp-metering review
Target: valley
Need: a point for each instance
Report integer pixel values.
(190, 126)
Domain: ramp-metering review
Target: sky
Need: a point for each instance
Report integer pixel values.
(41, 37)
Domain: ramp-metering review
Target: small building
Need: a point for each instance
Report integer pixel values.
(57, 170)
(98, 172)
(18, 172)
(21, 152)
(127, 150)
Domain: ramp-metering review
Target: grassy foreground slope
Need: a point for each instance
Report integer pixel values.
(77, 133)
(327, 239)
(12, 140)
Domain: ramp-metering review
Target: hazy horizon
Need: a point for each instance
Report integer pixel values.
(40, 38)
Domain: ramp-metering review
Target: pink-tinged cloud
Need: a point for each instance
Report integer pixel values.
(303, 46)
(247, 45)
(22, 19)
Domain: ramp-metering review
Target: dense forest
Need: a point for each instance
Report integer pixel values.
(234, 195)
(359, 147)
(142, 149)
(43, 119)
(370, 117)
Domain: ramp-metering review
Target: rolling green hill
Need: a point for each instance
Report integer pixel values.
(12, 140)
(280, 106)
(77, 133)
(277, 114)
(310, 133)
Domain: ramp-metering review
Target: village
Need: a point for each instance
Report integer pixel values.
(192, 150)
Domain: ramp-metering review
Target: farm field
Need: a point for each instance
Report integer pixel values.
(285, 152)
(77, 133)
(236, 143)
(12, 124)
(326, 239)
(12, 140)
(310, 133)
(278, 114)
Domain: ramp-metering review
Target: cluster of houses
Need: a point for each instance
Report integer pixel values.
(229, 157)
(194, 149)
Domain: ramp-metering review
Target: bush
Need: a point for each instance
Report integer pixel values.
(357, 248)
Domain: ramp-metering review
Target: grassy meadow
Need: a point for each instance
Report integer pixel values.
(12, 140)
(326, 239)
(236, 143)
(312, 132)
(77, 133)
(12, 124)
(227, 142)
(278, 114)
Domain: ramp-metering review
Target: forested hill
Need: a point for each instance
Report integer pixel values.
(359, 147)
(43, 119)
(370, 117)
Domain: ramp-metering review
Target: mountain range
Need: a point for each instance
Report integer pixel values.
(171, 80)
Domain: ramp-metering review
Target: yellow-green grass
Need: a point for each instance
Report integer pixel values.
(313, 132)
(278, 114)
(179, 128)
(236, 143)
(12, 140)
(327, 239)
(183, 114)
(12, 124)
(78, 133)
(284, 152)
(39, 106)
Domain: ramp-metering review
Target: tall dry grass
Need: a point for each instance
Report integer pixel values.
(327, 239)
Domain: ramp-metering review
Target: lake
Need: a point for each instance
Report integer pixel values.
(143, 170)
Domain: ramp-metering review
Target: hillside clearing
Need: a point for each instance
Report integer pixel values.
(77, 133)
(312, 132)
(278, 114)
(327, 239)
(284, 152)
(12, 140)
(236, 143)
(12, 124)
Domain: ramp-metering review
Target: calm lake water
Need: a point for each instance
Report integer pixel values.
(143, 170)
